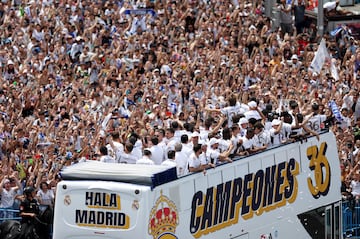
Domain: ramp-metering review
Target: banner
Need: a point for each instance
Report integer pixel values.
(140, 12)
(320, 57)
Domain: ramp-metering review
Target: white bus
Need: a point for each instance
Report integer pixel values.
(292, 191)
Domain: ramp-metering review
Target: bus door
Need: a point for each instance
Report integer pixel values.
(333, 221)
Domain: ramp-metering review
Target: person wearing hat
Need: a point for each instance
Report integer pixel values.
(10, 71)
(243, 124)
(29, 210)
(254, 112)
(216, 157)
(275, 132)
(294, 62)
(76, 48)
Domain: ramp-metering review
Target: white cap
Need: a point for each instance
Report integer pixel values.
(10, 62)
(294, 57)
(252, 104)
(155, 105)
(243, 120)
(213, 141)
(202, 142)
(197, 72)
(275, 122)
(195, 134)
(252, 27)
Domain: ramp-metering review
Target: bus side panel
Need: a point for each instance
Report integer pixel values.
(100, 209)
(230, 201)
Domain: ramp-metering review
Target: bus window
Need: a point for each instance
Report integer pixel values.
(337, 221)
(328, 219)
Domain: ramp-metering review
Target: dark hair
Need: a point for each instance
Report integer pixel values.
(315, 107)
(174, 124)
(234, 127)
(197, 147)
(171, 130)
(154, 140)
(129, 146)
(258, 125)
(252, 121)
(208, 122)
(184, 138)
(115, 135)
(44, 183)
(171, 154)
(250, 131)
(293, 104)
(185, 96)
(103, 150)
(226, 133)
(29, 190)
(132, 140)
(147, 152)
(161, 131)
(232, 101)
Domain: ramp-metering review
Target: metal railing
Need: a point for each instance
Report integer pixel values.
(9, 214)
(351, 219)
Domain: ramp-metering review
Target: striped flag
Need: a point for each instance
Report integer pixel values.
(336, 31)
(335, 110)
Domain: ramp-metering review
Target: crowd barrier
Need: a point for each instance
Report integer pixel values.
(9, 214)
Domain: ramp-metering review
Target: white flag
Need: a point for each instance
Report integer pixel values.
(333, 69)
(320, 56)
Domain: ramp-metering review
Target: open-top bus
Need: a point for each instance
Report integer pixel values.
(291, 191)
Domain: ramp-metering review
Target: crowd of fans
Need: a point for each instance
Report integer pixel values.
(191, 83)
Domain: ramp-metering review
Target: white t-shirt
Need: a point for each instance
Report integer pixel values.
(315, 122)
(194, 161)
(230, 111)
(355, 188)
(181, 159)
(248, 143)
(214, 155)
(145, 160)
(46, 198)
(262, 139)
(157, 154)
(171, 163)
(107, 159)
(7, 198)
(127, 158)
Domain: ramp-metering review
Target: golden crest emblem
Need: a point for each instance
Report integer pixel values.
(163, 219)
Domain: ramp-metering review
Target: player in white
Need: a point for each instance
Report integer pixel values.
(315, 120)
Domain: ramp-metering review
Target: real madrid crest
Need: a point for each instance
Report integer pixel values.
(163, 219)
